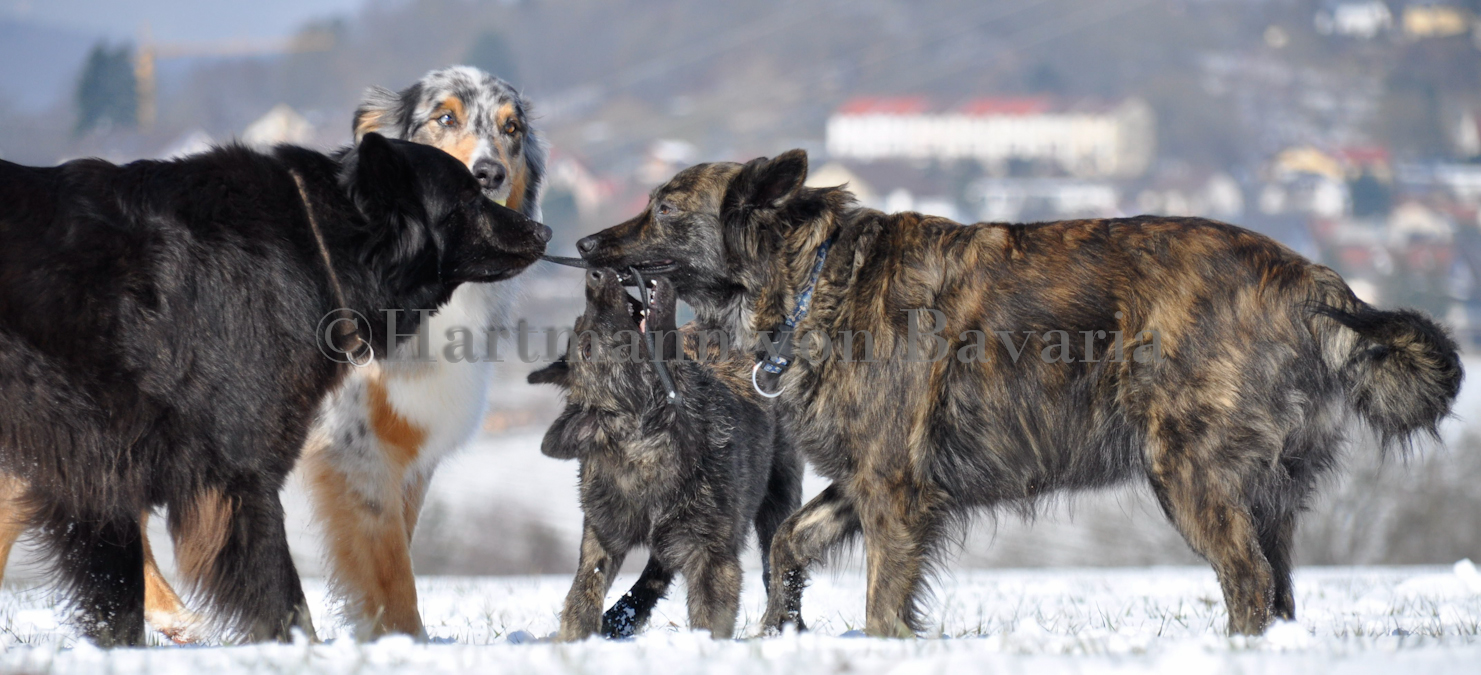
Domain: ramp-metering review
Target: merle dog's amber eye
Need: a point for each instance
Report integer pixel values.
(447, 120)
(510, 127)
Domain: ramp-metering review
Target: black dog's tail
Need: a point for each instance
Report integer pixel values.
(1401, 369)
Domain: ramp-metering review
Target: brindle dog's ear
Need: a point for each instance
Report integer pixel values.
(765, 183)
(557, 373)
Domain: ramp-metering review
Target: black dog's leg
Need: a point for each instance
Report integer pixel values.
(631, 613)
(238, 555)
(783, 497)
(100, 564)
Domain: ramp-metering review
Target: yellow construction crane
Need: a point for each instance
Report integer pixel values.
(150, 51)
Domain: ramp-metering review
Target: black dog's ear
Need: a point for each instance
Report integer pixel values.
(384, 185)
(557, 373)
(766, 183)
(384, 110)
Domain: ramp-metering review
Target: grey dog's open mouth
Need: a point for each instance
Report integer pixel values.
(641, 312)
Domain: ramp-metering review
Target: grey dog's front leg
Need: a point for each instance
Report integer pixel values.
(582, 615)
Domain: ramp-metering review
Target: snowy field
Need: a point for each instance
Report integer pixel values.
(1352, 620)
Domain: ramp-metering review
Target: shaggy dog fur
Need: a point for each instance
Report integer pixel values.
(685, 477)
(158, 347)
(381, 436)
(1208, 360)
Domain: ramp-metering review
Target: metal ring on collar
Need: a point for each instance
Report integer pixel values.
(370, 356)
(757, 385)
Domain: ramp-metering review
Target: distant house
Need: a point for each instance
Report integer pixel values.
(1082, 139)
(282, 124)
(1364, 19)
(1204, 193)
(1030, 199)
(1435, 19)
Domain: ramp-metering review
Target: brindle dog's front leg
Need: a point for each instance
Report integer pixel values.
(582, 615)
(821, 524)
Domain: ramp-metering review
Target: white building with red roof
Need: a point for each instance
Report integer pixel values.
(1084, 139)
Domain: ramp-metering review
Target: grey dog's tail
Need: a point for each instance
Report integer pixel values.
(1401, 369)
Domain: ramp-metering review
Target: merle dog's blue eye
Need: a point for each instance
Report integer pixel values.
(447, 119)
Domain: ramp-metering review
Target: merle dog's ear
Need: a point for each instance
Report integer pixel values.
(557, 373)
(383, 183)
(384, 110)
(765, 183)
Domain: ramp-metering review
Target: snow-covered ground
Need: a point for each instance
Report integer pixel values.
(1352, 620)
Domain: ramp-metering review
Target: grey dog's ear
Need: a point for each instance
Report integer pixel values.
(766, 183)
(566, 438)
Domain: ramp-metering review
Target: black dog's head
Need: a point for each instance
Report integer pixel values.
(429, 219)
(714, 229)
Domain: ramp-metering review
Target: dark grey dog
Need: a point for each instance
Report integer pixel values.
(684, 475)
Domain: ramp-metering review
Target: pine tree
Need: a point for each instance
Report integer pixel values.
(107, 94)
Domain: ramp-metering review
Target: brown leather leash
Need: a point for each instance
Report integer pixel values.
(341, 330)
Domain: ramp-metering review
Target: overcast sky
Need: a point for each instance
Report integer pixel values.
(178, 20)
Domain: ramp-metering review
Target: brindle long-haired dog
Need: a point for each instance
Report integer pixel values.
(685, 476)
(1258, 360)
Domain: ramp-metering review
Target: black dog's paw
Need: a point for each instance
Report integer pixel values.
(620, 622)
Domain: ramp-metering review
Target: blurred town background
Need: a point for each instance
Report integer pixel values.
(1350, 130)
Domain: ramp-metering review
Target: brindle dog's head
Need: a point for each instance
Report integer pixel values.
(476, 117)
(714, 229)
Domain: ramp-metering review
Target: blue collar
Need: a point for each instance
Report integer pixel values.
(777, 363)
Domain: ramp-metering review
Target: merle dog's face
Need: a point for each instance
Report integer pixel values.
(607, 358)
(472, 115)
(433, 216)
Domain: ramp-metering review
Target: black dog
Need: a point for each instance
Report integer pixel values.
(684, 474)
(163, 343)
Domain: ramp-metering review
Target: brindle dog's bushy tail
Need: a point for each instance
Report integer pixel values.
(1401, 369)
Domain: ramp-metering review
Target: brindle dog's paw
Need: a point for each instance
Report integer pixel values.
(774, 628)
